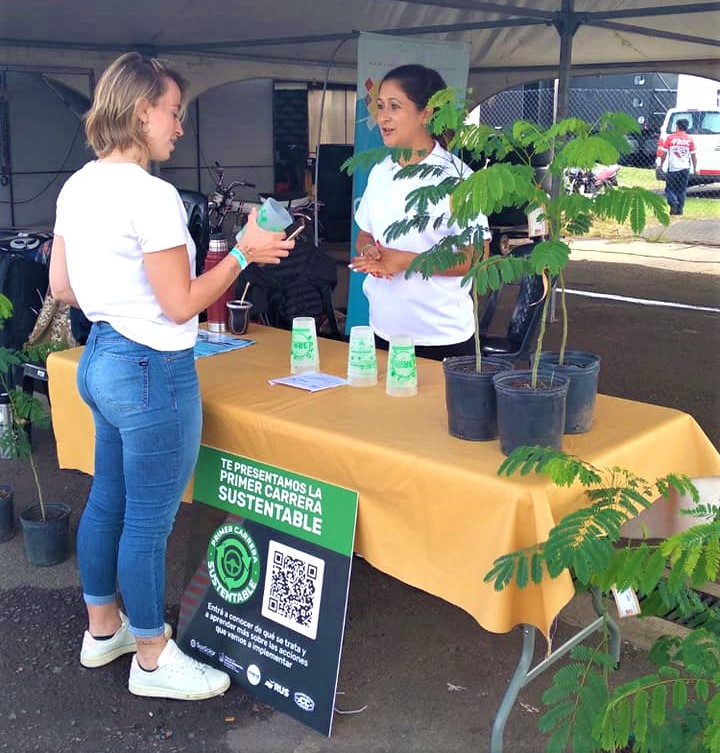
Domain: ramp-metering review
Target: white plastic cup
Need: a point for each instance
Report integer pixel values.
(271, 215)
(304, 355)
(362, 361)
(401, 378)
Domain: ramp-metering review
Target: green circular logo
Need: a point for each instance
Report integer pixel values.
(362, 356)
(402, 363)
(302, 344)
(233, 563)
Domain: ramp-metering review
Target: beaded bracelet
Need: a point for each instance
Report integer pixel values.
(240, 256)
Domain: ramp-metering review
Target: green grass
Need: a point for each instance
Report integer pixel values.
(695, 208)
(639, 176)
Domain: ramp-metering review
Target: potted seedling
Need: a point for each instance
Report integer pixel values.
(45, 524)
(470, 395)
(676, 707)
(506, 176)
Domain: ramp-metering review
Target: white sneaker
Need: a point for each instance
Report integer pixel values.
(95, 653)
(178, 676)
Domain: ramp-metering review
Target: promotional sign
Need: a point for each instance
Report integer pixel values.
(267, 581)
(378, 54)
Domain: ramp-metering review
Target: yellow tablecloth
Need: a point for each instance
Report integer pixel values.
(432, 512)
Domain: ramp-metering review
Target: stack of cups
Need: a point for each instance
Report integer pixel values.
(271, 215)
(362, 363)
(304, 355)
(401, 371)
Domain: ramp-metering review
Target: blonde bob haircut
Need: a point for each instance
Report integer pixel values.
(113, 121)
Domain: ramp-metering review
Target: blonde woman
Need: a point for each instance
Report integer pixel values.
(122, 253)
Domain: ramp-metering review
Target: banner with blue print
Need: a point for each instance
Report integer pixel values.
(378, 54)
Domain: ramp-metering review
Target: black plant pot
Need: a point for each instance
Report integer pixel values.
(7, 512)
(582, 369)
(528, 416)
(470, 397)
(47, 542)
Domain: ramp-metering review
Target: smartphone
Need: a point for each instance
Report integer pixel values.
(292, 231)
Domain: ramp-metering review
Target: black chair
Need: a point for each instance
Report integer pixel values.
(302, 284)
(517, 342)
(196, 206)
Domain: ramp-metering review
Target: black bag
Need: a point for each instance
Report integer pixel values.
(301, 285)
(24, 282)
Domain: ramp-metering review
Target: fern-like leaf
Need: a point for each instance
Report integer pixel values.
(6, 308)
(658, 699)
(365, 160)
(550, 255)
(633, 203)
(586, 152)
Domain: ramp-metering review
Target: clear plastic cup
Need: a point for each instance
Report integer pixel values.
(401, 378)
(304, 355)
(272, 215)
(362, 361)
(238, 316)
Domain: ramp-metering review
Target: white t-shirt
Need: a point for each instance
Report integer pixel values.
(679, 147)
(110, 215)
(437, 311)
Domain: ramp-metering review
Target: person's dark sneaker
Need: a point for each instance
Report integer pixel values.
(177, 676)
(98, 653)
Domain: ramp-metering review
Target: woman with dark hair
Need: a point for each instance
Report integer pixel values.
(437, 312)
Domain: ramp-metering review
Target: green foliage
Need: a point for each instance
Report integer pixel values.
(631, 203)
(491, 190)
(549, 256)
(371, 157)
(5, 308)
(24, 408)
(577, 688)
(677, 707)
(507, 178)
(672, 709)
(38, 352)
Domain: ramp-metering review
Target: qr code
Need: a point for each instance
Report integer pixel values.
(293, 587)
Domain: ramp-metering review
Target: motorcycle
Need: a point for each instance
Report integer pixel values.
(591, 182)
(222, 201)
(223, 204)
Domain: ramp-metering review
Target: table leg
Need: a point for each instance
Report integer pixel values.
(613, 629)
(521, 677)
(519, 680)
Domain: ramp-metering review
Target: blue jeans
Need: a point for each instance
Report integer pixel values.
(148, 418)
(676, 184)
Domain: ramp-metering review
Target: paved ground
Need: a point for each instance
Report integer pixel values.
(429, 679)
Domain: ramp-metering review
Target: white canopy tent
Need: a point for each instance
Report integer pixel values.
(246, 46)
(510, 42)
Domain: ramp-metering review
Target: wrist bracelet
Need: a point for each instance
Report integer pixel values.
(240, 256)
(364, 248)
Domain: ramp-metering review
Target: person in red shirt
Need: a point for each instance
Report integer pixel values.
(679, 148)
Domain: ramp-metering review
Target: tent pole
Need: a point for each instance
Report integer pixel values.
(316, 237)
(566, 27)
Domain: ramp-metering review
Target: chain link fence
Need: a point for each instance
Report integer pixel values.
(647, 107)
